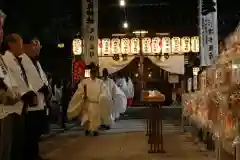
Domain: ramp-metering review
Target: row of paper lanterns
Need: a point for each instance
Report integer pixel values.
(107, 46)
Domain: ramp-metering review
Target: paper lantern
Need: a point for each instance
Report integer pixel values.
(176, 45)
(106, 46)
(166, 45)
(135, 46)
(125, 46)
(115, 46)
(195, 44)
(77, 46)
(146, 45)
(156, 45)
(185, 44)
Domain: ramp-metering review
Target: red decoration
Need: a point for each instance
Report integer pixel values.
(78, 70)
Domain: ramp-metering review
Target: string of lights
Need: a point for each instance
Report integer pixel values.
(122, 4)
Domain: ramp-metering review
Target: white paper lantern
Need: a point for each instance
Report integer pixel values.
(106, 46)
(166, 45)
(156, 45)
(77, 46)
(125, 46)
(176, 45)
(146, 45)
(195, 44)
(185, 44)
(115, 46)
(135, 46)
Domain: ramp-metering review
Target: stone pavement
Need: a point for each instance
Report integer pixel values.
(126, 141)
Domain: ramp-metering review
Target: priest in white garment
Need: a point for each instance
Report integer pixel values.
(122, 84)
(119, 98)
(91, 102)
(110, 84)
(130, 89)
(36, 117)
(10, 113)
(28, 96)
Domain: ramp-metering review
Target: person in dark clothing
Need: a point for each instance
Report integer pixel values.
(66, 97)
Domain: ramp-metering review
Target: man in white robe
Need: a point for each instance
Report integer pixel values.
(122, 84)
(28, 96)
(36, 117)
(131, 90)
(9, 112)
(96, 106)
(118, 97)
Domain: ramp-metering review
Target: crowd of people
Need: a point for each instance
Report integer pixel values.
(24, 94)
(27, 95)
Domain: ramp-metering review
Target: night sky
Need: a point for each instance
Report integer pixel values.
(61, 19)
(55, 21)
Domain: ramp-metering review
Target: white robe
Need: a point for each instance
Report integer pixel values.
(130, 88)
(35, 79)
(119, 99)
(16, 72)
(97, 107)
(122, 84)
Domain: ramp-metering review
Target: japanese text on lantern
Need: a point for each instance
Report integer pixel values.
(90, 27)
(135, 45)
(77, 46)
(166, 45)
(125, 45)
(106, 46)
(115, 45)
(186, 44)
(195, 44)
(156, 48)
(146, 45)
(176, 45)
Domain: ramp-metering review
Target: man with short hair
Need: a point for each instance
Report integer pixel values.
(10, 149)
(28, 96)
(36, 117)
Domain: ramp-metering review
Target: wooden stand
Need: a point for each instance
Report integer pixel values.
(154, 124)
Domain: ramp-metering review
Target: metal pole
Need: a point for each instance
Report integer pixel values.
(141, 67)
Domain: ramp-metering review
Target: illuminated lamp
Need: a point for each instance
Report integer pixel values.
(77, 46)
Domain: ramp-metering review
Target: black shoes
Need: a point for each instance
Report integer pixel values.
(93, 133)
(104, 127)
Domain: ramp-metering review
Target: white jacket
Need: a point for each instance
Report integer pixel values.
(36, 80)
(16, 72)
(11, 85)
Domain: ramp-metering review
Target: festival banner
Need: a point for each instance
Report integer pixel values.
(208, 36)
(90, 31)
